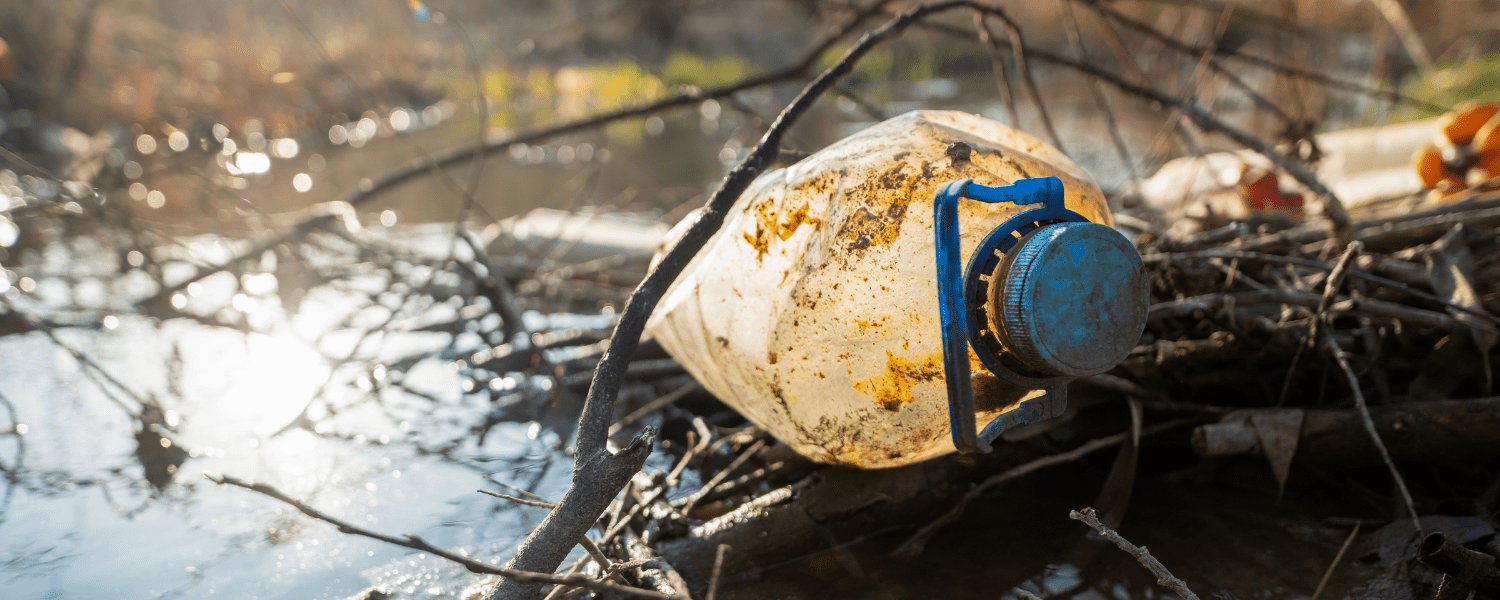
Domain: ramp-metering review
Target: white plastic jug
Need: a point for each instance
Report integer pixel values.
(815, 310)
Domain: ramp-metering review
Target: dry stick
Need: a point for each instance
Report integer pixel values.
(1126, 55)
(1023, 68)
(704, 437)
(1133, 66)
(1264, 63)
(654, 572)
(1364, 414)
(728, 488)
(521, 501)
(1190, 90)
(558, 590)
(1322, 266)
(1336, 558)
(522, 492)
(417, 543)
(713, 579)
(466, 192)
(1100, 100)
(590, 492)
(1164, 577)
(1330, 291)
(1412, 315)
(1280, 23)
(89, 364)
(655, 405)
(1410, 39)
(719, 477)
(913, 545)
(599, 557)
(997, 63)
(1206, 58)
(873, 111)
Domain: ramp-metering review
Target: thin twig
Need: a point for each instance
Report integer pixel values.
(1315, 264)
(913, 545)
(713, 580)
(1336, 558)
(521, 501)
(1075, 36)
(416, 543)
(1206, 54)
(1163, 577)
(719, 477)
(655, 405)
(1409, 314)
(1264, 63)
(598, 555)
(997, 64)
(1023, 68)
(873, 111)
(1322, 317)
(629, 565)
(1331, 290)
(1340, 357)
(523, 493)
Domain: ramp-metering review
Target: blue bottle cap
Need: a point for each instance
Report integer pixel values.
(1073, 300)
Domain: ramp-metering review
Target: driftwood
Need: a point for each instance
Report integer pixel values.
(1447, 430)
(783, 524)
(1464, 571)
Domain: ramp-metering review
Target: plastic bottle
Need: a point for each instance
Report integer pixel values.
(831, 308)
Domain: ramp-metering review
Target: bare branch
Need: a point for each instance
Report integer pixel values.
(1325, 80)
(719, 477)
(1163, 577)
(521, 501)
(713, 580)
(1409, 314)
(997, 64)
(1336, 558)
(913, 545)
(416, 543)
(1075, 36)
(1342, 359)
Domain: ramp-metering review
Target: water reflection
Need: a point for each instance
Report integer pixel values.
(113, 450)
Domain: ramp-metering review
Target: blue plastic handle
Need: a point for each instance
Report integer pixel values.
(960, 325)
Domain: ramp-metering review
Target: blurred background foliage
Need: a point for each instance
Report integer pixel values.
(88, 78)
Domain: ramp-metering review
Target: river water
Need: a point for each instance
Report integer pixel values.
(390, 450)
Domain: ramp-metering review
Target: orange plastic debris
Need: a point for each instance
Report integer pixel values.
(1464, 121)
(1261, 191)
(1428, 161)
(1487, 169)
(1487, 140)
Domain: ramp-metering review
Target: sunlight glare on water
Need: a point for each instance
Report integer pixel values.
(249, 163)
(278, 373)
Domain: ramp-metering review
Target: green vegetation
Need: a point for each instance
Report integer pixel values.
(1476, 78)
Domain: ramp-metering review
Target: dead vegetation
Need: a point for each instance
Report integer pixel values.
(1351, 348)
